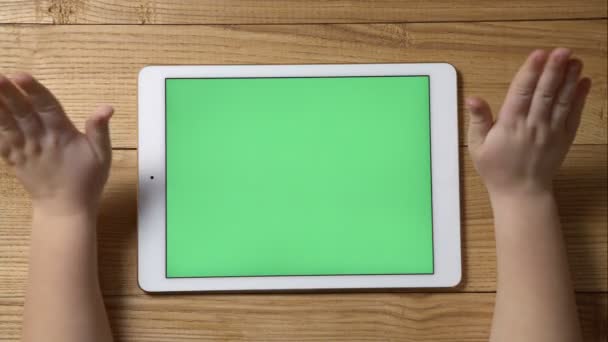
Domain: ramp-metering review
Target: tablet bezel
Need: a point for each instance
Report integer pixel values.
(151, 179)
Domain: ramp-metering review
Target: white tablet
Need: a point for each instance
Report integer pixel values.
(280, 177)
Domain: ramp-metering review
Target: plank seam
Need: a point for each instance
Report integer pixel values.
(314, 23)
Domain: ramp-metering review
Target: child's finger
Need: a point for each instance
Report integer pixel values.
(43, 102)
(19, 108)
(10, 134)
(97, 129)
(563, 103)
(519, 96)
(480, 121)
(578, 103)
(8, 125)
(548, 84)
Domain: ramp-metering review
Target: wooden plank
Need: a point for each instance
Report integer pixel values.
(86, 65)
(581, 188)
(290, 11)
(308, 317)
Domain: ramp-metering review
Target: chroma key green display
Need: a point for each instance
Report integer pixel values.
(298, 176)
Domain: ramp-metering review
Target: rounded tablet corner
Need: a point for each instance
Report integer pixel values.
(145, 286)
(455, 281)
(145, 71)
(449, 68)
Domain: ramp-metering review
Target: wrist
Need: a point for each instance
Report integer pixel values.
(56, 207)
(62, 215)
(513, 206)
(521, 196)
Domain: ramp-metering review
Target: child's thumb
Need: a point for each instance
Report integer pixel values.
(480, 121)
(97, 129)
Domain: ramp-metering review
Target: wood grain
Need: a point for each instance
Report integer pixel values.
(308, 317)
(90, 64)
(581, 187)
(485, 40)
(290, 11)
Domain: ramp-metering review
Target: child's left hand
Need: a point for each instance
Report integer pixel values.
(63, 169)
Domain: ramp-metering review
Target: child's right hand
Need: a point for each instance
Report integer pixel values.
(63, 169)
(521, 151)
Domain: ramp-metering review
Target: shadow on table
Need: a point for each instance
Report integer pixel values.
(117, 241)
(581, 191)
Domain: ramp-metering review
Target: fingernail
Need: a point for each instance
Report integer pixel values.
(470, 102)
(562, 54)
(538, 55)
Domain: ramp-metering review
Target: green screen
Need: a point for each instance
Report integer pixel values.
(298, 176)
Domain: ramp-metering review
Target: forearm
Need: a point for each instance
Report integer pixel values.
(535, 300)
(63, 299)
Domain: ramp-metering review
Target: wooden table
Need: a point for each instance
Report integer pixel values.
(89, 52)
